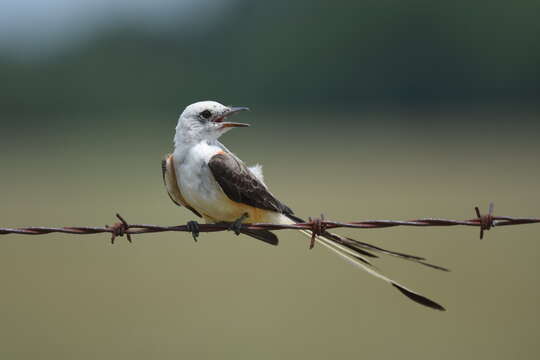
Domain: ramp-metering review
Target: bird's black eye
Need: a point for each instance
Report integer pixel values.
(206, 114)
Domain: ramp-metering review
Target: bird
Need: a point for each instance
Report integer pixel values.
(202, 175)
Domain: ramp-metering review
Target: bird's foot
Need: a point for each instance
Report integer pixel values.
(194, 228)
(236, 226)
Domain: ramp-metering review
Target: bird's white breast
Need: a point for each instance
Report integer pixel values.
(196, 182)
(201, 190)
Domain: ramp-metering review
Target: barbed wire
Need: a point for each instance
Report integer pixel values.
(317, 226)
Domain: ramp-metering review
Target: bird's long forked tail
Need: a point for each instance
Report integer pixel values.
(357, 253)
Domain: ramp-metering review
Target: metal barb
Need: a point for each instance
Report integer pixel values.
(318, 227)
(485, 221)
(119, 229)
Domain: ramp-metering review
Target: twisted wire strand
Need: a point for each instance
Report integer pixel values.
(316, 226)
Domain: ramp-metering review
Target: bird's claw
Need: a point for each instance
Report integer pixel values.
(236, 226)
(194, 228)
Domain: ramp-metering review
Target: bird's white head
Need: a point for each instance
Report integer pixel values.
(205, 120)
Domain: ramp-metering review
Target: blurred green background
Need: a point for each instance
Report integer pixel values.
(360, 110)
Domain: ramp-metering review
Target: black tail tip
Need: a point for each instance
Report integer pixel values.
(419, 298)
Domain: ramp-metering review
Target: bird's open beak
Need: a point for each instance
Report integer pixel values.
(231, 111)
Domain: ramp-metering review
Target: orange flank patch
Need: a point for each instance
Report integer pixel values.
(256, 215)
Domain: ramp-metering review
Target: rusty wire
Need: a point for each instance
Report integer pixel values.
(317, 226)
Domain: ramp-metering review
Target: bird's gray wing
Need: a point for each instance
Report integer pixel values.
(171, 184)
(240, 185)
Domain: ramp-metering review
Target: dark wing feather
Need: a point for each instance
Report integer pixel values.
(264, 235)
(240, 185)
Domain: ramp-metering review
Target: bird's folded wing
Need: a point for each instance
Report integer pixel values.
(241, 185)
(171, 184)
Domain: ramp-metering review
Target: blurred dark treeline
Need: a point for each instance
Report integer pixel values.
(305, 54)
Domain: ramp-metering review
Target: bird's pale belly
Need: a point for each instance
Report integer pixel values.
(205, 195)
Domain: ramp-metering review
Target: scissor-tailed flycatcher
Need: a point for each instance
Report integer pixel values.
(205, 177)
